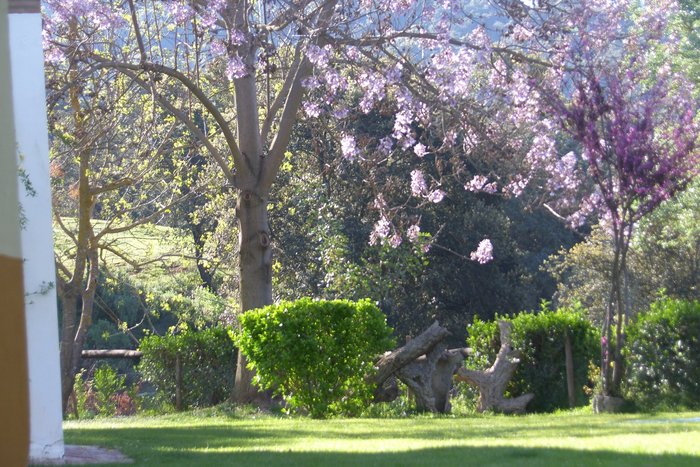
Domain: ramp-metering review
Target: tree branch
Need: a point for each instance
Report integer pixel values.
(203, 99)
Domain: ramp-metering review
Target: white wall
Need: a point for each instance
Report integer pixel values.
(29, 100)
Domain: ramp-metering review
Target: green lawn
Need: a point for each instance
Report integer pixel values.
(209, 438)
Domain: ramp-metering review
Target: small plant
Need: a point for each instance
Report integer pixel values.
(316, 354)
(106, 384)
(103, 395)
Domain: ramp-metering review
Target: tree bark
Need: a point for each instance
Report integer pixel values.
(255, 278)
(69, 304)
(421, 345)
(493, 381)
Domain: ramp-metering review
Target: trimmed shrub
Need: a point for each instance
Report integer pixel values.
(208, 362)
(315, 354)
(663, 356)
(541, 339)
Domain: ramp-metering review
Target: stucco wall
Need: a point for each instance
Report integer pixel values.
(14, 431)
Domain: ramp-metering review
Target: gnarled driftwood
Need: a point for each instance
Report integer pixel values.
(493, 381)
(425, 366)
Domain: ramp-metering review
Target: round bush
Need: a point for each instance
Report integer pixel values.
(663, 356)
(315, 354)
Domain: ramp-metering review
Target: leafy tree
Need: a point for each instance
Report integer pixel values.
(98, 171)
(663, 256)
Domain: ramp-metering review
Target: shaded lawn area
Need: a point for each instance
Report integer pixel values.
(216, 439)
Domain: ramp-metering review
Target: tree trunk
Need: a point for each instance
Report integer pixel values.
(391, 362)
(255, 278)
(69, 305)
(493, 381)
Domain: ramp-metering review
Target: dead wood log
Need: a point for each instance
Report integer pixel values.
(111, 353)
(430, 377)
(493, 381)
(390, 362)
(425, 366)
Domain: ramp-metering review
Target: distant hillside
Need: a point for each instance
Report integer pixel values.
(147, 247)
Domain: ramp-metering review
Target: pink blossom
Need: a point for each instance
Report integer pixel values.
(312, 109)
(318, 56)
(236, 68)
(312, 82)
(420, 150)
(217, 48)
(340, 113)
(483, 253)
(402, 128)
(418, 185)
(395, 240)
(386, 144)
(379, 202)
(436, 196)
(480, 184)
(382, 227)
(348, 147)
(335, 81)
(181, 12)
(413, 233)
(516, 187)
(373, 85)
(238, 37)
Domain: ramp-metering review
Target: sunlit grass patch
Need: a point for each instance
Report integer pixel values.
(227, 438)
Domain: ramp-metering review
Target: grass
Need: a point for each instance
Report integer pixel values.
(221, 437)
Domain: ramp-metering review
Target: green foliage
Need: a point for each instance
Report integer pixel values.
(663, 355)
(106, 382)
(207, 360)
(316, 354)
(540, 337)
(664, 255)
(105, 394)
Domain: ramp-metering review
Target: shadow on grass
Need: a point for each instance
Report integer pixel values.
(252, 446)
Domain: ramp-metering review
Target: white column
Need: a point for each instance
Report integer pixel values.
(29, 100)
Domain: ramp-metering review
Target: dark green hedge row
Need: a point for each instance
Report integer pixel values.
(208, 362)
(663, 356)
(541, 338)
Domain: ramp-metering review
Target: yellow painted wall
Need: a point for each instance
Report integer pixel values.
(14, 405)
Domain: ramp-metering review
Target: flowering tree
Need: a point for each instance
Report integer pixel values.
(247, 67)
(637, 126)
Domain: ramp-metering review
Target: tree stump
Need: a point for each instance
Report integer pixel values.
(493, 381)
